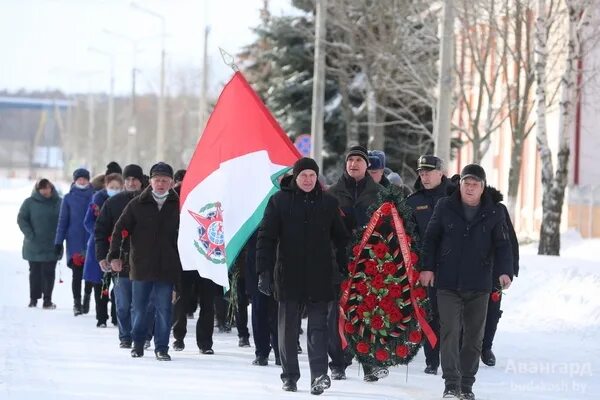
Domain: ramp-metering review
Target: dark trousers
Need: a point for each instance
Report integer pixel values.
(491, 323)
(101, 304)
(221, 306)
(334, 348)
(241, 312)
(41, 280)
(317, 339)
(432, 354)
(264, 325)
(458, 310)
(187, 296)
(76, 285)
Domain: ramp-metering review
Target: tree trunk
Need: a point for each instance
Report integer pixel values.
(376, 139)
(514, 174)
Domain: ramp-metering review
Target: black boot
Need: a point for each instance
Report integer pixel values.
(85, 307)
(77, 308)
(488, 357)
(162, 356)
(319, 385)
(32, 303)
(289, 385)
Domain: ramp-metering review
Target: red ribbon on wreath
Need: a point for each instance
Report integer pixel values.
(387, 208)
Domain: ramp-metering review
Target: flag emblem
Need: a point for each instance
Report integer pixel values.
(211, 240)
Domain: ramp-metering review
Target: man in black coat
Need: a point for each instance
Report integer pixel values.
(466, 248)
(105, 223)
(296, 242)
(355, 191)
(431, 186)
(151, 222)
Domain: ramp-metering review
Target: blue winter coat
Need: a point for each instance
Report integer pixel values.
(70, 221)
(91, 269)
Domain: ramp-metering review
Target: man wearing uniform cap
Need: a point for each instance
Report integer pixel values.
(151, 222)
(431, 185)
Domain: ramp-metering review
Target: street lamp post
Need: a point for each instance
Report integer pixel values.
(160, 128)
(111, 104)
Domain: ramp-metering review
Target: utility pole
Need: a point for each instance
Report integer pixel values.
(318, 100)
(441, 132)
(90, 136)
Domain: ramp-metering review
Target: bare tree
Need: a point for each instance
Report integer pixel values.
(555, 181)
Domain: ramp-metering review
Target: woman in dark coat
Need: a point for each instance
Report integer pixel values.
(37, 219)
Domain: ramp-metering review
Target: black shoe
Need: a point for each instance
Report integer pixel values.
(338, 374)
(244, 342)
(77, 309)
(224, 328)
(319, 385)
(289, 386)
(431, 370)
(101, 324)
(85, 307)
(488, 357)
(466, 393)
(162, 356)
(190, 315)
(207, 351)
(451, 392)
(137, 352)
(48, 305)
(125, 344)
(32, 303)
(278, 361)
(147, 344)
(262, 361)
(299, 349)
(178, 345)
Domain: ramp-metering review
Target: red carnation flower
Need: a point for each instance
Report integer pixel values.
(395, 291)
(124, 234)
(387, 304)
(378, 282)
(349, 328)
(382, 355)
(415, 337)
(380, 250)
(402, 350)
(355, 250)
(371, 268)
(352, 267)
(370, 301)
(395, 315)
(105, 293)
(496, 296)
(386, 208)
(361, 288)
(377, 322)
(362, 347)
(78, 260)
(361, 309)
(420, 293)
(389, 268)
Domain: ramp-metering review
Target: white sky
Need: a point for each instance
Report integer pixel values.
(44, 43)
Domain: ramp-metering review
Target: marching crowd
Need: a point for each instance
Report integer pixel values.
(120, 229)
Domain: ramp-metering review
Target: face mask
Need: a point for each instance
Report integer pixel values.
(78, 186)
(112, 192)
(160, 196)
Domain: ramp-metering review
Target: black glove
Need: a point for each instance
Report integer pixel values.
(58, 250)
(264, 283)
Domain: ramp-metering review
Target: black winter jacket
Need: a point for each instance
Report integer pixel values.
(296, 241)
(468, 255)
(153, 235)
(355, 198)
(423, 202)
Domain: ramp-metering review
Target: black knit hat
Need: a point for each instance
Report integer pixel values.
(179, 175)
(358, 151)
(113, 168)
(305, 163)
(81, 173)
(161, 168)
(474, 171)
(133, 171)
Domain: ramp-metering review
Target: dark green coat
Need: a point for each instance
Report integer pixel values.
(37, 219)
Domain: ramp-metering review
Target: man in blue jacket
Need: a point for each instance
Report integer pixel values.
(466, 248)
